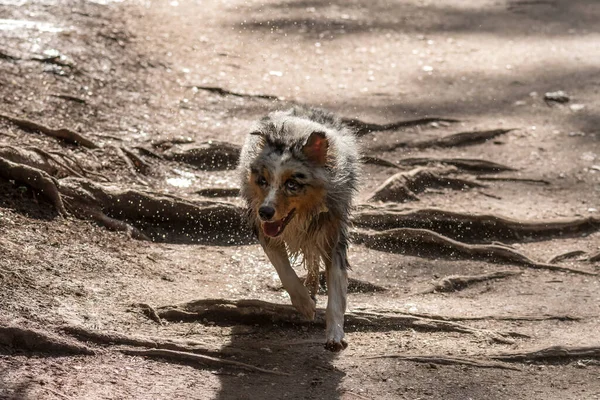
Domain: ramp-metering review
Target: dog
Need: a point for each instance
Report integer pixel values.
(299, 174)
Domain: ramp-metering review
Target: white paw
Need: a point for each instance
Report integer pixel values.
(336, 346)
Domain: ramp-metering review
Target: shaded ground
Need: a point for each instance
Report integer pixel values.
(138, 80)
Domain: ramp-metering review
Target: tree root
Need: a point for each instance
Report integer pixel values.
(467, 164)
(35, 178)
(33, 340)
(425, 243)
(404, 186)
(551, 354)
(472, 227)
(225, 92)
(61, 133)
(183, 351)
(139, 164)
(455, 140)
(149, 312)
(455, 283)
(513, 179)
(219, 192)
(161, 218)
(209, 156)
(378, 161)
(363, 128)
(594, 257)
(251, 312)
(530, 318)
(446, 360)
(194, 358)
(565, 256)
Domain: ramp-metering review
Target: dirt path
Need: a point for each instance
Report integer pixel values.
(122, 277)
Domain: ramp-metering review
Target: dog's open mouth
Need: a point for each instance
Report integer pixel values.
(275, 228)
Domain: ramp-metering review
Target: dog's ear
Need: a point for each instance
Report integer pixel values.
(315, 148)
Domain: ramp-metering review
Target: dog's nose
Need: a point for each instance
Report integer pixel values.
(266, 213)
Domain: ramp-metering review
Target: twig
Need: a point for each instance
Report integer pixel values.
(61, 133)
(565, 256)
(198, 358)
(445, 360)
(512, 179)
(594, 257)
(225, 92)
(426, 243)
(70, 98)
(363, 128)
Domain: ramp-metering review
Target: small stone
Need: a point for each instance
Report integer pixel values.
(558, 97)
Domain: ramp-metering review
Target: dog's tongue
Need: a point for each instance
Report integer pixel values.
(272, 228)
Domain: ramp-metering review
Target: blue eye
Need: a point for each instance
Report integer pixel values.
(261, 181)
(292, 185)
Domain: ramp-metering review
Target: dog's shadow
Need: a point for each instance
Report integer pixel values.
(308, 370)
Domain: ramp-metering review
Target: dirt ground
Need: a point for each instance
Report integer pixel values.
(109, 243)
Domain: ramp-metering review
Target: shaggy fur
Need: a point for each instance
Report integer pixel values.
(298, 176)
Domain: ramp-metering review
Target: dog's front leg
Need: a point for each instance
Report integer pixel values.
(337, 286)
(298, 293)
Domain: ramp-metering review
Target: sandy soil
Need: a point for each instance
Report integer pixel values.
(128, 75)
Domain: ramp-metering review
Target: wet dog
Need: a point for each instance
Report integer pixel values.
(299, 174)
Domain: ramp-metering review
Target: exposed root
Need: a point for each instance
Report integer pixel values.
(194, 358)
(425, 243)
(446, 360)
(225, 92)
(513, 179)
(455, 283)
(210, 156)
(455, 140)
(467, 164)
(472, 227)
(61, 133)
(33, 340)
(219, 192)
(530, 318)
(363, 128)
(184, 351)
(594, 257)
(565, 256)
(139, 164)
(35, 178)
(149, 152)
(253, 312)
(115, 224)
(404, 186)
(149, 312)
(552, 354)
(378, 161)
(159, 217)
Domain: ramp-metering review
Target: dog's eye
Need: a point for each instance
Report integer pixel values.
(292, 185)
(261, 181)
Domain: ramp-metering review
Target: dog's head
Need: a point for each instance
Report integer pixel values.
(287, 180)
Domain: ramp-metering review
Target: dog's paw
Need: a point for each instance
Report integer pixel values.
(336, 345)
(305, 306)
